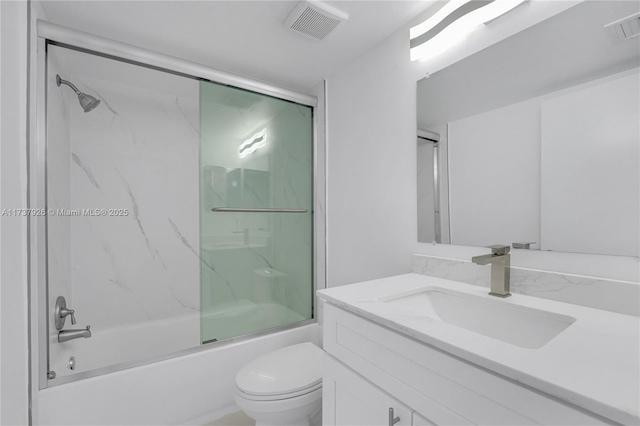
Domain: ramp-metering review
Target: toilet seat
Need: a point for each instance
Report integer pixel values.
(282, 374)
(278, 397)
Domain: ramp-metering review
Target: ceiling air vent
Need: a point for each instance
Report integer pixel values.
(314, 19)
(626, 28)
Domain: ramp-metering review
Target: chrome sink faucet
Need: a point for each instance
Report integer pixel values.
(500, 261)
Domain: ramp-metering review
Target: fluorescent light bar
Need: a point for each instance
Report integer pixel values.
(451, 25)
(253, 143)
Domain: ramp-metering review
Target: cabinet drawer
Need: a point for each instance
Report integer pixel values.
(443, 388)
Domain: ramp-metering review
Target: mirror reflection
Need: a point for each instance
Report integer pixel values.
(534, 141)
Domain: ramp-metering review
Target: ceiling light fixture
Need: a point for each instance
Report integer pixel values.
(451, 24)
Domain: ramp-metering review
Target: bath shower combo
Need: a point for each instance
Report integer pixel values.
(203, 247)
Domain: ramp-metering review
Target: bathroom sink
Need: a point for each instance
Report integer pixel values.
(499, 319)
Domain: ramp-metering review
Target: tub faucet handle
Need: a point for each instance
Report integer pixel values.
(61, 312)
(64, 312)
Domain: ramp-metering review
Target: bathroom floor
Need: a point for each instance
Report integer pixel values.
(234, 419)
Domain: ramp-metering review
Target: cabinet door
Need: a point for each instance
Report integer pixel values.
(419, 420)
(349, 399)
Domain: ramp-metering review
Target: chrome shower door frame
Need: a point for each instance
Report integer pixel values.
(37, 172)
(435, 141)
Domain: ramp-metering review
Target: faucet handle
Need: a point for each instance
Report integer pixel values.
(499, 249)
(525, 246)
(64, 312)
(61, 312)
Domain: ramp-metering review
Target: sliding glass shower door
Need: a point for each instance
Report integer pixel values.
(122, 219)
(178, 213)
(256, 159)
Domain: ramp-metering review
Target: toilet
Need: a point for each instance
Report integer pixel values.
(283, 387)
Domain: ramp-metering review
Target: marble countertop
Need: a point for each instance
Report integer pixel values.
(593, 364)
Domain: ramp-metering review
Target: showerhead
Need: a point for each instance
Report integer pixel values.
(87, 102)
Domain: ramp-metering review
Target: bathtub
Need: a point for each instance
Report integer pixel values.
(244, 316)
(115, 348)
(121, 345)
(188, 389)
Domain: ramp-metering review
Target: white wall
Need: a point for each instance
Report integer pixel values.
(14, 356)
(371, 148)
(371, 183)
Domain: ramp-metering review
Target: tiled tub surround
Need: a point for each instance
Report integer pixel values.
(145, 262)
(138, 150)
(611, 295)
(592, 364)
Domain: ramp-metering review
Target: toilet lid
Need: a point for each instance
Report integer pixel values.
(286, 370)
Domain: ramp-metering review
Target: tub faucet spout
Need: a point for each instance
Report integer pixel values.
(500, 261)
(65, 335)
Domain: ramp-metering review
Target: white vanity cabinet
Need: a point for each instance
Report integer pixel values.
(369, 368)
(351, 400)
(418, 420)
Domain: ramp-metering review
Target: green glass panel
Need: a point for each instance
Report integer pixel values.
(256, 152)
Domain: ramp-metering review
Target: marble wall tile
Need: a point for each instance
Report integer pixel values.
(611, 295)
(138, 152)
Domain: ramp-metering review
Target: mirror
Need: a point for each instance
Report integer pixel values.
(537, 139)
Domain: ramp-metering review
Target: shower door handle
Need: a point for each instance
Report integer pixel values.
(257, 210)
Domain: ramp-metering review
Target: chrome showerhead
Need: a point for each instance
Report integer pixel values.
(87, 102)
